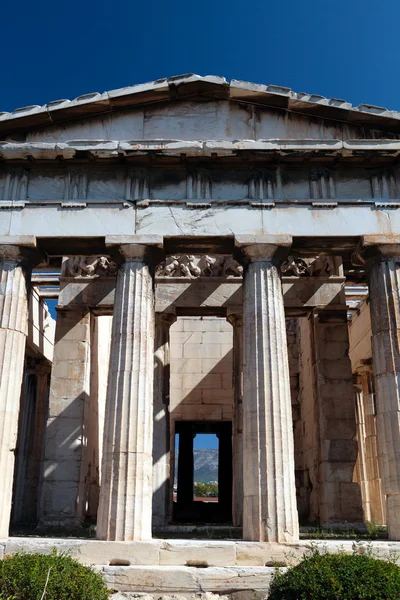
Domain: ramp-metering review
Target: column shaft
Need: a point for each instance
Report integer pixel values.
(269, 506)
(161, 433)
(384, 285)
(361, 464)
(125, 507)
(13, 332)
(377, 500)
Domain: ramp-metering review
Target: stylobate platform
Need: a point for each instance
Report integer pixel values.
(190, 566)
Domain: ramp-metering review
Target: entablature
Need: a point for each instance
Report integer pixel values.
(285, 172)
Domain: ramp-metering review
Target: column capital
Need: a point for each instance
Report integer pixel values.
(20, 248)
(165, 319)
(376, 247)
(273, 248)
(234, 318)
(136, 247)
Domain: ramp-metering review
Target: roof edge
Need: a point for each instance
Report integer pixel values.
(196, 86)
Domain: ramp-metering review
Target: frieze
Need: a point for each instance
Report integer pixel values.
(322, 183)
(199, 188)
(190, 266)
(384, 184)
(318, 266)
(136, 186)
(89, 267)
(75, 185)
(261, 186)
(16, 185)
(198, 185)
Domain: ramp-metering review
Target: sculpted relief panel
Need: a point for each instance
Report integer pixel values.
(188, 265)
(88, 267)
(318, 266)
(191, 266)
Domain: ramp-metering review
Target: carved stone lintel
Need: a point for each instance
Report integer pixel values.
(190, 266)
(294, 266)
(187, 265)
(88, 267)
(319, 266)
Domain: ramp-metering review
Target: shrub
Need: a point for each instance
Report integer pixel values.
(322, 576)
(26, 576)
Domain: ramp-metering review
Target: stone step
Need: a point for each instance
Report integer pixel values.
(187, 580)
(186, 553)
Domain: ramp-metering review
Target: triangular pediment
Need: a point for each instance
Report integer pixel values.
(191, 107)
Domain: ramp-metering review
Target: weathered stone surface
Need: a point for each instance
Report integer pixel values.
(62, 501)
(252, 554)
(161, 422)
(105, 553)
(207, 554)
(235, 578)
(269, 502)
(339, 497)
(125, 507)
(266, 553)
(13, 332)
(384, 281)
(167, 580)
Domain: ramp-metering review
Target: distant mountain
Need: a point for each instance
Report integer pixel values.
(205, 465)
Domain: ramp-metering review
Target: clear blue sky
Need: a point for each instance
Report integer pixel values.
(345, 48)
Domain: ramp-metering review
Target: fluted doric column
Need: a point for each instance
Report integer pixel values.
(161, 432)
(374, 500)
(13, 333)
(269, 502)
(384, 289)
(125, 508)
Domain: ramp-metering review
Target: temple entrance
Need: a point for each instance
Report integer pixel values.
(196, 499)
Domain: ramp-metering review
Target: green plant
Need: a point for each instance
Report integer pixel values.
(323, 576)
(54, 576)
(203, 490)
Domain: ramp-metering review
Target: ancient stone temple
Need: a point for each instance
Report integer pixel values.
(226, 260)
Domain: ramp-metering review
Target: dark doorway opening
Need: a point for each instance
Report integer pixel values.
(188, 505)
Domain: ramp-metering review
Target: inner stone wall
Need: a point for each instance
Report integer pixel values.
(201, 385)
(99, 361)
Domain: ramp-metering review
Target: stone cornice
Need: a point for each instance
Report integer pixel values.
(192, 86)
(112, 149)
